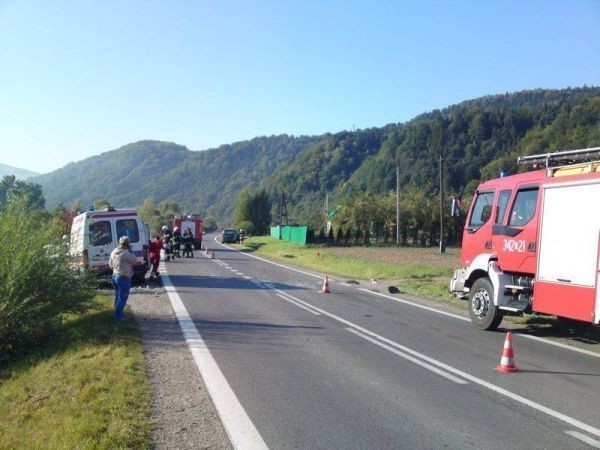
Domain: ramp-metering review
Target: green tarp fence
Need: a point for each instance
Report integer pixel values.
(296, 235)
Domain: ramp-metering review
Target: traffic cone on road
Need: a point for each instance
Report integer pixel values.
(325, 289)
(507, 364)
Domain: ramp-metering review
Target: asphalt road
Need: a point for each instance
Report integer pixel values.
(352, 369)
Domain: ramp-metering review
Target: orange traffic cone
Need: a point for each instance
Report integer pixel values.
(325, 289)
(507, 364)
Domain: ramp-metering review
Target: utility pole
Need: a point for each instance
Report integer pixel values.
(441, 164)
(327, 212)
(283, 210)
(397, 205)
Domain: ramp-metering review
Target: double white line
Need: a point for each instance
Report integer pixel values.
(444, 370)
(393, 347)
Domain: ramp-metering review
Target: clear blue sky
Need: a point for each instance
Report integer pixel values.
(78, 78)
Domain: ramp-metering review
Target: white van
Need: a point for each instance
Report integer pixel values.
(95, 234)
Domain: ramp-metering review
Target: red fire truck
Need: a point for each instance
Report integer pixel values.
(531, 242)
(194, 223)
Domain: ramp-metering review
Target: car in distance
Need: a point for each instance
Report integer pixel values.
(229, 236)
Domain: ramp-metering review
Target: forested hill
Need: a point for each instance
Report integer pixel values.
(206, 182)
(477, 139)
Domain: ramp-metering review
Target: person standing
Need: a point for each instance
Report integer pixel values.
(176, 242)
(188, 239)
(167, 239)
(155, 248)
(121, 262)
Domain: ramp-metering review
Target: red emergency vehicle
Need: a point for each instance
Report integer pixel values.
(531, 242)
(194, 223)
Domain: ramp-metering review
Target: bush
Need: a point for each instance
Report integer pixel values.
(37, 284)
(321, 238)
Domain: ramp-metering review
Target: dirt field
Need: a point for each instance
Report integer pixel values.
(404, 256)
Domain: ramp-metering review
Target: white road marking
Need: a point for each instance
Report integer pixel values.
(310, 310)
(534, 405)
(558, 344)
(247, 277)
(466, 319)
(582, 437)
(417, 305)
(557, 415)
(408, 357)
(239, 427)
(271, 262)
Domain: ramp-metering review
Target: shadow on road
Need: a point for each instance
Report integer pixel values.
(209, 282)
(548, 327)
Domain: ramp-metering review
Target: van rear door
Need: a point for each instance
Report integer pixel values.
(101, 240)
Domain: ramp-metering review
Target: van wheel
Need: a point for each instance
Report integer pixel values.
(484, 314)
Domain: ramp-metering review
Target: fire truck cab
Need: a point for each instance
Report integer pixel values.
(531, 242)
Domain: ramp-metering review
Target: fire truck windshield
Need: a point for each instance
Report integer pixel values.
(482, 209)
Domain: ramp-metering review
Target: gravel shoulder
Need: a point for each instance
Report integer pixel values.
(182, 410)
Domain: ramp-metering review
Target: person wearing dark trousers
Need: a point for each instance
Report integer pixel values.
(176, 242)
(188, 239)
(121, 262)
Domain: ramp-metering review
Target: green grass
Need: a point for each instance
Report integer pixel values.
(413, 279)
(84, 388)
(410, 278)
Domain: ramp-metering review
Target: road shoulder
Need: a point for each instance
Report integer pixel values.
(182, 410)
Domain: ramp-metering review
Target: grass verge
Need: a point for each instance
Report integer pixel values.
(85, 387)
(415, 271)
(414, 277)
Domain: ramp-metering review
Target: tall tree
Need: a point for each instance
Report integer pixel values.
(260, 212)
(150, 213)
(30, 194)
(241, 215)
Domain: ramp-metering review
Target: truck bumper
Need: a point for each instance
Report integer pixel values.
(457, 283)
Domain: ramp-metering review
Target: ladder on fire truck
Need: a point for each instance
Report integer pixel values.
(563, 158)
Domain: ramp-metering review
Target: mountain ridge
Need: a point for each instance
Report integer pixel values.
(470, 136)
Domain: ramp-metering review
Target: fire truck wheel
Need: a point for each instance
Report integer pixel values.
(484, 314)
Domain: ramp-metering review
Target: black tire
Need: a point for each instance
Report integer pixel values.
(484, 313)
